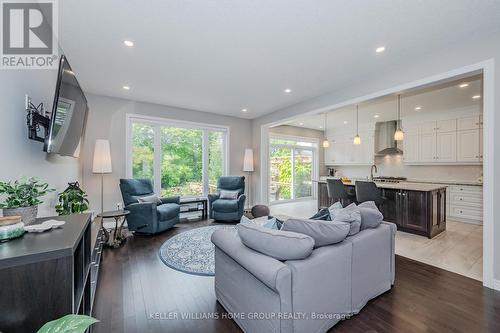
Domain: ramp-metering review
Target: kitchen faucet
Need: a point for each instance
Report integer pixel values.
(371, 171)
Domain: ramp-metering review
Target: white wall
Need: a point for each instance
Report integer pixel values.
(107, 121)
(404, 71)
(24, 157)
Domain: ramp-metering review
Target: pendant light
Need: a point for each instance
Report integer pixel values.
(357, 138)
(399, 134)
(326, 143)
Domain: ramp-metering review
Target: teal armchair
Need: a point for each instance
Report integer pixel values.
(147, 217)
(228, 209)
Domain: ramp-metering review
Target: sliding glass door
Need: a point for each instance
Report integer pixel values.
(180, 158)
(292, 165)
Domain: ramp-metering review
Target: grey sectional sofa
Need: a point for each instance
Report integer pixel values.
(311, 295)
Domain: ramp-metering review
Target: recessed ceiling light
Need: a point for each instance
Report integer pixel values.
(476, 96)
(376, 116)
(244, 110)
(418, 108)
(345, 122)
(464, 85)
(287, 91)
(128, 43)
(321, 127)
(301, 124)
(380, 49)
(126, 88)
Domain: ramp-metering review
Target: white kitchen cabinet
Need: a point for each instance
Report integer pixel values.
(468, 123)
(446, 146)
(449, 125)
(465, 203)
(468, 145)
(428, 147)
(411, 146)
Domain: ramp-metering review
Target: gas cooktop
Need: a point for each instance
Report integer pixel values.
(383, 179)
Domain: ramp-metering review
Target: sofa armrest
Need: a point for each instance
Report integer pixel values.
(273, 273)
(141, 214)
(173, 199)
(241, 203)
(393, 228)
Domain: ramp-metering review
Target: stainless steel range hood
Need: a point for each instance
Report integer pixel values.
(384, 139)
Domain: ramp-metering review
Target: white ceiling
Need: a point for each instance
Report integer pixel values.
(225, 55)
(446, 97)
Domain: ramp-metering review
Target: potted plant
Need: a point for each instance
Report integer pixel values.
(23, 197)
(71, 323)
(72, 201)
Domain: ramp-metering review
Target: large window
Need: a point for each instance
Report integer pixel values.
(292, 165)
(180, 158)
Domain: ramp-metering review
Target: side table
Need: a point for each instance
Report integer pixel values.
(120, 217)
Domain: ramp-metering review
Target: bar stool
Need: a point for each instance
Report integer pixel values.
(338, 192)
(368, 191)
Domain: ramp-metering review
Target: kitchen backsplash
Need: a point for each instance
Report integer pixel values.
(393, 166)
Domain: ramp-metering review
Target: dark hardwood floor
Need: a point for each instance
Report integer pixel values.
(134, 285)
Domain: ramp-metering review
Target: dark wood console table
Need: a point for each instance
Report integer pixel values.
(47, 275)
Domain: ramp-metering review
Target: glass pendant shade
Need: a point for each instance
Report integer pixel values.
(399, 135)
(357, 140)
(326, 143)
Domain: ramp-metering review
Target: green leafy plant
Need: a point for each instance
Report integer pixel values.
(68, 324)
(72, 201)
(25, 192)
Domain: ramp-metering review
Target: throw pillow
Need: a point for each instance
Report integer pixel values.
(150, 198)
(264, 221)
(351, 215)
(322, 214)
(323, 232)
(281, 245)
(229, 195)
(371, 217)
(333, 209)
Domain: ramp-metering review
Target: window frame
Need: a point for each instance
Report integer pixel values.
(157, 123)
(315, 166)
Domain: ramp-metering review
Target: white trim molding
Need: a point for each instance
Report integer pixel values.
(496, 284)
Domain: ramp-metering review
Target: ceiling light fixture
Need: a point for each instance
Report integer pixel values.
(464, 85)
(301, 124)
(126, 88)
(357, 138)
(418, 108)
(287, 91)
(345, 122)
(380, 49)
(326, 143)
(399, 134)
(128, 43)
(244, 110)
(376, 116)
(476, 97)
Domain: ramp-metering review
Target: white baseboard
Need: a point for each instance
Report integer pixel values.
(496, 284)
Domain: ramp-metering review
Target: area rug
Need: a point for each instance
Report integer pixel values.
(192, 251)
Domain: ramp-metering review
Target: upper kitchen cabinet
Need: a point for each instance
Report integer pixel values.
(452, 141)
(342, 151)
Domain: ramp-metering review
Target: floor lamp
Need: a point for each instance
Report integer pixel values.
(248, 167)
(102, 163)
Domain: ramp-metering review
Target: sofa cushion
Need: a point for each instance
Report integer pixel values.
(281, 245)
(351, 215)
(167, 211)
(149, 198)
(225, 205)
(231, 195)
(371, 217)
(323, 232)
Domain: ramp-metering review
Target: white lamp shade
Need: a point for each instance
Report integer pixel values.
(248, 160)
(102, 157)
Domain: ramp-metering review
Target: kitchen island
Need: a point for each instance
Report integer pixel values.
(417, 208)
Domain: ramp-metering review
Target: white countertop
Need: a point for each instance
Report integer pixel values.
(404, 185)
(418, 181)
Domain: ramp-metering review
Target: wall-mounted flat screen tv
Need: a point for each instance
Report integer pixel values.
(69, 114)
